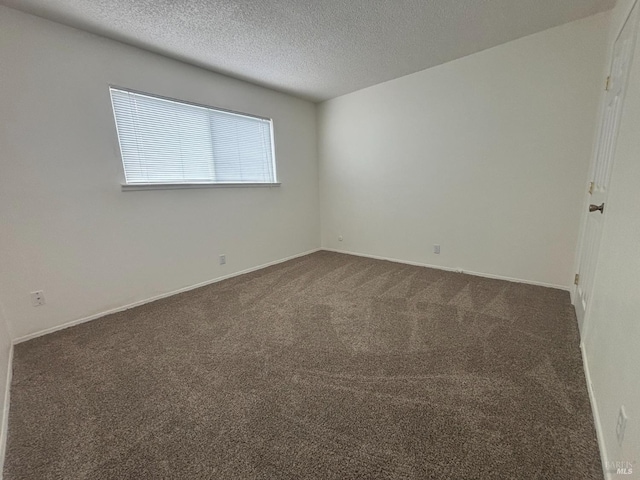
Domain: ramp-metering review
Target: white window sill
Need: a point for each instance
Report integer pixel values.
(127, 187)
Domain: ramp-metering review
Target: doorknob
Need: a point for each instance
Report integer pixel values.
(595, 208)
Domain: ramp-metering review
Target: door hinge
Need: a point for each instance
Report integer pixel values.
(608, 83)
(576, 280)
(591, 186)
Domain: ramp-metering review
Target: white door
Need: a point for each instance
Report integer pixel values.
(605, 152)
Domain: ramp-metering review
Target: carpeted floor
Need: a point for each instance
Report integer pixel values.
(329, 366)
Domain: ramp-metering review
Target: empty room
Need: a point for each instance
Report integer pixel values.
(294, 239)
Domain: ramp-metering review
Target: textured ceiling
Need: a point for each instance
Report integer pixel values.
(314, 49)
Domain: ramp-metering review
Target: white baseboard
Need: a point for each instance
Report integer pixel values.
(5, 414)
(596, 416)
(4, 421)
(572, 295)
(154, 298)
(78, 321)
(449, 269)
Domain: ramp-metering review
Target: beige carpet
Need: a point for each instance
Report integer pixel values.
(327, 367)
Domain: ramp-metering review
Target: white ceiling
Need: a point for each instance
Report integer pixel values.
(314, 49)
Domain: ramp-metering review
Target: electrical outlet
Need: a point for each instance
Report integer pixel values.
(223, 259)
(436, 249)
(37, 298)
(621, 424)
(340, 238)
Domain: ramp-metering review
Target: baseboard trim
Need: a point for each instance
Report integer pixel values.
(78, 321)
(449, 269)
(4, 421)
(594, 412)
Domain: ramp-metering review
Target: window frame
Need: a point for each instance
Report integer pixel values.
(187, 185)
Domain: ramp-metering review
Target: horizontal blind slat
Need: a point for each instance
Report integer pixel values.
(165, 141)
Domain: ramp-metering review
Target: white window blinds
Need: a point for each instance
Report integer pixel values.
(167, 141)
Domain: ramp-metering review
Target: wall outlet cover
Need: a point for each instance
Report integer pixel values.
(621, 424)
(37, 298)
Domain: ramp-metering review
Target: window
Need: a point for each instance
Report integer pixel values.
(164, 141)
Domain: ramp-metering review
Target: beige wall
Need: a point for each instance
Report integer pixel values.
(613, 321)
(487, 156)
(69, 230)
